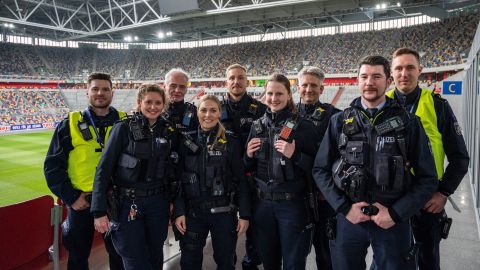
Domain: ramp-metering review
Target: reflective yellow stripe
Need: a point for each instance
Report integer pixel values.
(426, 112)
(83, 159)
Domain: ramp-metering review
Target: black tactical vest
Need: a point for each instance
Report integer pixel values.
(272, 166)
(205, 170)
(147, 156)
(373, 165)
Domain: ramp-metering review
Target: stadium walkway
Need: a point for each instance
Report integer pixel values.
(460, 251)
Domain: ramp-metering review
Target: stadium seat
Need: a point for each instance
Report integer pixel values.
(27, 233)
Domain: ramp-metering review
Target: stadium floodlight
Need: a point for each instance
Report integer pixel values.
(169, 33)
(399, 4)
(127, 38)
(384, 6)
(160, 35)
(377, 6)
(136, 38)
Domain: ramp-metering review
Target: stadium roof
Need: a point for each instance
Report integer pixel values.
(190, 20)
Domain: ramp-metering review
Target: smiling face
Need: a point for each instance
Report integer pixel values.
(99, 94)
(405, 72)
(151, 106)
(276, 96)
(310, 88)
(208, 114)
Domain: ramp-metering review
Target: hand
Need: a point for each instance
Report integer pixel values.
(181, 224)
(81, 203)
(253, 146)
(285, 148)
(102, 224)
(355, 215)
(383, 218)
(436, 204)
(242, 226)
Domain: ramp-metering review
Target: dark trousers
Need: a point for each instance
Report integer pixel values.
(140, 241)
(77, 237)
(222, 228)
(282, 233)
(321, 243)
(251, 258)
(426, 230)
(389, 246)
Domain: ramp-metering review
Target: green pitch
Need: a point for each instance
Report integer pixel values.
(21, 166)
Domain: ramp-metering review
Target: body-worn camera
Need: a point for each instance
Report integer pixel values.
(370, 210)
(262, 152)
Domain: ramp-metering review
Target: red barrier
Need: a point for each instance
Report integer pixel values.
(26, 234)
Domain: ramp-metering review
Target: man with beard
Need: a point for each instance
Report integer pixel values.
(363, 168)
(446, 139)
(239, 110)
(70, 165)
(310, 87)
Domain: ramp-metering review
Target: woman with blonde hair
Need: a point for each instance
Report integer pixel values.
(214, 190)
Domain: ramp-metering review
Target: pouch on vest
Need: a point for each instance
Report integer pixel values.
(382, 170)
(128, 168)
(398, 168)
(162, 150)
(262, 153)
(190, 184)
(141, 149)
(354, 153)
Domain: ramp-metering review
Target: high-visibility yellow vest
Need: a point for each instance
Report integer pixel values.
(428, 117)
(83, 159)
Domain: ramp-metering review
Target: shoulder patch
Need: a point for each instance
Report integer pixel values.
(458, 129)
(348, 120)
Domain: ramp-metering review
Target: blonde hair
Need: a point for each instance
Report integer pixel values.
(234, 66)
(151, 88)
(221, 132)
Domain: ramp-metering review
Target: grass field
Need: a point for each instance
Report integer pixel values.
(21, 166)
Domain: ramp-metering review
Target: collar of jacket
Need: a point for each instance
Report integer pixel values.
(305, 109)
(408, 99)
(277, 118)
(242, 105)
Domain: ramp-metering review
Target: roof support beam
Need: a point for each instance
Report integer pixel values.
(123, 11)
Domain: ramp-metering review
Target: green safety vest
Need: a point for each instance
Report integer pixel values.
(83, 159)
(428, 117)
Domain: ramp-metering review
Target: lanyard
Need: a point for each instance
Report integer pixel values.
(99, 139)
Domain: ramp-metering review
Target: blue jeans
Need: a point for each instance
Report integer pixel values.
(222, 227)
(282, 233)
(389, 246)
(77, 237)
(140, 242)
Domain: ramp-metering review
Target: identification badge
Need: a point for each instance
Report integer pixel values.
(252, 108)
(286, 131)
(186, 118)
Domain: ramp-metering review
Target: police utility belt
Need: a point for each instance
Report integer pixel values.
(134, 193)
(390, 170)
(276, 196)
(216, 206)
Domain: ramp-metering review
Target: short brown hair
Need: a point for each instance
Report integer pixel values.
(376, 60)
(151, 88)
(234, 66)
(99, 76)
(282, 79)
(406, 50)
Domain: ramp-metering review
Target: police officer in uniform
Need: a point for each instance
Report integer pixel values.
(182, 114)
(213, 186)
(239, 110)
(445, 137)
(74, 152)
(281, 148)
(363, 170)
(136, 161)
(310, 87)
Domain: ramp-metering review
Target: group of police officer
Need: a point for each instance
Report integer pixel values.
(371, 175)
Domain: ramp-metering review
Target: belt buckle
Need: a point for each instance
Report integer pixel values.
(130, 192)
(288, 196)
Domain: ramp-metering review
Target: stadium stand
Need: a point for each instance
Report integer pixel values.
(441, 43)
